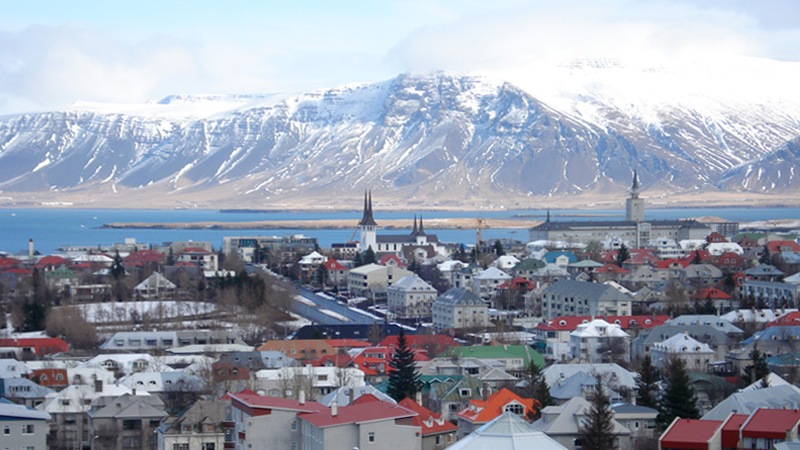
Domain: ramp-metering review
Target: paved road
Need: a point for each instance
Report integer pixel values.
(312, 313)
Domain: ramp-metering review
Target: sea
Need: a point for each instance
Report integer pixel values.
(53, 228)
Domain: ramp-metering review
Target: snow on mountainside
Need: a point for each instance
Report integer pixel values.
(440, 139)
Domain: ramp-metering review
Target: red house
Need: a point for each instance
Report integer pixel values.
(36, 346)
(692, 434)
(53, 378)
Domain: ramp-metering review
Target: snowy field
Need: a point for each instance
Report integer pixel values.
(99, 313)
(305, 301)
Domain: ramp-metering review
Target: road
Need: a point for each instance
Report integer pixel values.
(314, 313)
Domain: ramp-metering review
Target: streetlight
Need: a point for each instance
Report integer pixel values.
(93, 438)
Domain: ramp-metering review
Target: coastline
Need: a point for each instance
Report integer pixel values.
(329, 224)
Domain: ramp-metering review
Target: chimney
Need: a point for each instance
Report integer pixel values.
(302, 397)
(98, 385)
(419, 398)
(30, 248)
(351, 392)
(334, 409)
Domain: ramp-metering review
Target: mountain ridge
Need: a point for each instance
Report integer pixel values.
(435, 139)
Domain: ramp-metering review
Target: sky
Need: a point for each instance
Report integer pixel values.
(56, 53)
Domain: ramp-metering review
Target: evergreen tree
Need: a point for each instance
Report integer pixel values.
(498, 248)
(536, 388)
(758, 369)
(622, 254)
(117, 269)
(357, 260)
(404, 381)
(369, 256)
(598, 431)
(678, 399)
(697, 259)
(647, 384)
(766, 256)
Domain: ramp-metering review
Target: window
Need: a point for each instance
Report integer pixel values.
(131, 442)
(371, 437)
(131, 424)
(6, 430)
(208, 446)
(27, 428)
(294, 425)
(184, 446)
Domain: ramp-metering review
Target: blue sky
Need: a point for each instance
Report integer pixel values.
(53, 53)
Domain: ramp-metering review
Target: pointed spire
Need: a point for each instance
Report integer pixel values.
(414, 231)
(421, 231)
(548, 215)
(635, 187)
(366, 219)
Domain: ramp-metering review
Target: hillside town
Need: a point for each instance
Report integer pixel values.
(633, 334)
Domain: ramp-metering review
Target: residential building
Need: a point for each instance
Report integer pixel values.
(205, 259)
(23, 391)
(515, 358)
(198, 428)
(127, 421)
(368, 423)
(459, 308)
(486, 283)
(481, 412)
(23, 428)
(283, 248)
(696, 355)
(747, 402)
(373, 280)
(599, 341)
(301, 349)
(437, 433)
(641, 420)
(563, 423)
(308, 381)
(613, 375)
(692, 434)
(580, 298)
(774, 294)
(410, 298)
(269, 423)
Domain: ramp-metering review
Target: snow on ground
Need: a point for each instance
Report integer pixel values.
(335, 315)
(124, 311)
(295, 323)
(305, 301)
(766, 224)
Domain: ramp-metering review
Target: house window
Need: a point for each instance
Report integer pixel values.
(27, 428)
(6, 430)
(208, 446)
(371, 437)
(183, 446)
(131, 424)
(294, 425)
(131, 442)
(515, 408)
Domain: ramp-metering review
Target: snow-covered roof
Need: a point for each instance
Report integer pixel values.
(11, 368)
(505, 262)
(492, 273)
(718, 248)
(615, 373)
(682, 343)
(411, 283)
(599, 328)
(757, 315)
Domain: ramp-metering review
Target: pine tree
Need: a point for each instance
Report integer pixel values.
(766, 256)
(369, 256)
(498, 248)
(598, 431)
(536, 388)
(358, 261)
(117, 269)
(622, 255)
(404, 381)
(647, 384)
(678, 399)
(758, 369)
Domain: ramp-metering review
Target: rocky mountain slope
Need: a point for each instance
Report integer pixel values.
(439, 140)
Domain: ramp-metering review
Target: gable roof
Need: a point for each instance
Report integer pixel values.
(570, 323)
(459, 297)
(507, 432)
(430, 422)
(255, 401)
(524, 352)
(684, 433)
(480, 411)
(775, 397)
(365, 409)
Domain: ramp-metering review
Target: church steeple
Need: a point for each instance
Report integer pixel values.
(414, 231)
(366, 219)
(421, 231)
(635, 186)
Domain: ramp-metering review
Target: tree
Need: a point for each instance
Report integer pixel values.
(404, 381)
(647, 384)
(369, 256)
(358, 261)
(758, 369)
(678, 399)
(498, 248)
(536, 388)
(766, 256)
(622, 255)
(117, 269)
(598, 431)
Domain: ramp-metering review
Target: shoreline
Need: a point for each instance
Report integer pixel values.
(326, 224)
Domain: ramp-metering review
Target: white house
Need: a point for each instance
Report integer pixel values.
(410, 297)
(486, 282)
(695, 355)
(459, 308)
(591, 341)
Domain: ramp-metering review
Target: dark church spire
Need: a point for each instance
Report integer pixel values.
(421, 231)
(414, 231)
(366, 219)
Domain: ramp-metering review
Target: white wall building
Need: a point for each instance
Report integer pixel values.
(590, 341)
(410, 297)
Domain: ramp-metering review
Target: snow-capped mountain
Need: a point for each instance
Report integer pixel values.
(439, 139)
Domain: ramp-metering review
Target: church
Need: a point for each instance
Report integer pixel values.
(634, 230)
(418, 245)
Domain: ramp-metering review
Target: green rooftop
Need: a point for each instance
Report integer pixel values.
(499, 352)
